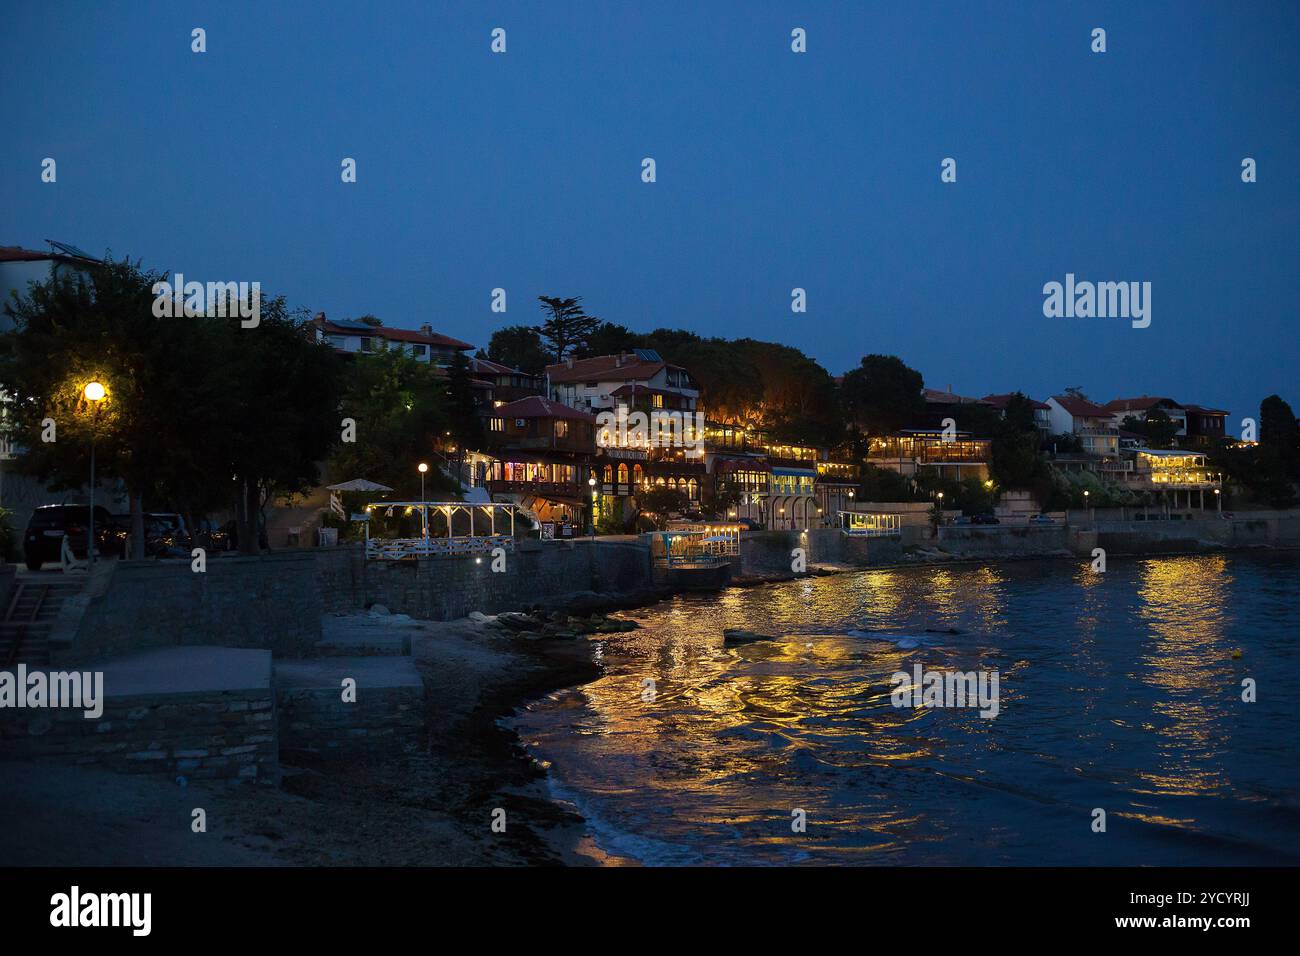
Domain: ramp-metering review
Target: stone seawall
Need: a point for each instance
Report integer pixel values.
(443, 589)
(386, 715)
(1267, 530)
(200, 712)
(269, 602)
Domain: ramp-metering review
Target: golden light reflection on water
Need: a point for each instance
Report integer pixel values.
(1183, 605)
(1095, 669)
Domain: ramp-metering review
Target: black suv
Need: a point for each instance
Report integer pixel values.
(50, 523)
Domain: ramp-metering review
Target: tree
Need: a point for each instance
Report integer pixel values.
(1279, 434)
(399, 405)
(567, 327)
(283, 416)
(1017, 460)
(609, 339)
(518, 346)
(882, 395)
(660, 503)
(1158, 430)
(190, 400)
(150, 431)
(466, 426)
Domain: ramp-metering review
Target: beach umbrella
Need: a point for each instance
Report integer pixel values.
(359, 484)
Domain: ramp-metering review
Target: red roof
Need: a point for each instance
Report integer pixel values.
(489, 367)
(393, 335)
(1080, 407)
(1000, 401)
(19, 254)
(1143, 403)
(606, 368)
(534, 406)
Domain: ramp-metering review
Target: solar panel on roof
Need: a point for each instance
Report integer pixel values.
(648, 355)
(69, 249)
(350, 324)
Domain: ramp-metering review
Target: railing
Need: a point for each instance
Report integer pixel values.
(397, 549)
(478, 524)
(700, 546)
(871, 525)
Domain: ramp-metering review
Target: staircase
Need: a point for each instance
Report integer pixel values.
(32, 607)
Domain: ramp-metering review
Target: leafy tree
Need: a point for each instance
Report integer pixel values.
(1279, 433)
(1157, 429)
(282, 417)
(882, 395)
(567, 327)
(466, 425)
(609, 339)
(1017, 461)
(518, 346)
(190, 401)
(660, 503)
(400, 407)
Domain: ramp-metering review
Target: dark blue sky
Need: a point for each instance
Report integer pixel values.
(775, 170)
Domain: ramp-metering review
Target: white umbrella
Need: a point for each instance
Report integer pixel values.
(359, 484)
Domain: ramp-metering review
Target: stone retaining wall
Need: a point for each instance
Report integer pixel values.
(269, 602)
(442, 589)
(202, 735)
(382, 719)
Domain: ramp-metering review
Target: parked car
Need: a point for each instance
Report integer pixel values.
(985, 518)
(43, 540)
(165, 536)
(1041, 519)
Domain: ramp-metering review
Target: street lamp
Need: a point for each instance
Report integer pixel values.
(424, 512)
(94, 393)
(591, 520)
(1086, 503)
(1218, 498)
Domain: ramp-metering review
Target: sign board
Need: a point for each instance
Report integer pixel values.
(548, 530)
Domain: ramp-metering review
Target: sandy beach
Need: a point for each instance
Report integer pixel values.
(433, 807)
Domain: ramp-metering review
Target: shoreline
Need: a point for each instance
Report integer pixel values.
(433, 807)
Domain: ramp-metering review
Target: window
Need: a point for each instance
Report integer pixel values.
(609, 474)
(657, 401)
(622, 474)
(496, 424)
(561, 428)
(367, 345)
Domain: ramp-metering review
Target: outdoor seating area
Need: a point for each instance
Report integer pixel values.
(409, 530)
(871, 525)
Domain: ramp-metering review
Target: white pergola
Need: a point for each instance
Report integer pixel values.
(484, 524)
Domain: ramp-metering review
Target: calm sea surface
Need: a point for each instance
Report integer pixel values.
(1118, 691)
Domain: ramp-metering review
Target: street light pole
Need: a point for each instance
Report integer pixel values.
(424, 512)
(94, 393)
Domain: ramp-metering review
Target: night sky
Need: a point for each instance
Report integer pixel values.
(775, 170)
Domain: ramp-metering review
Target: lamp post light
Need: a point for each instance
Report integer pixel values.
(591, 520)
(1087, 503)
(1218, 498)
(424, 512)
(94, 393)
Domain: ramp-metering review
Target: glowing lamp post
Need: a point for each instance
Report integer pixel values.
(591, 521)
(94, 393)
(424, 512)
